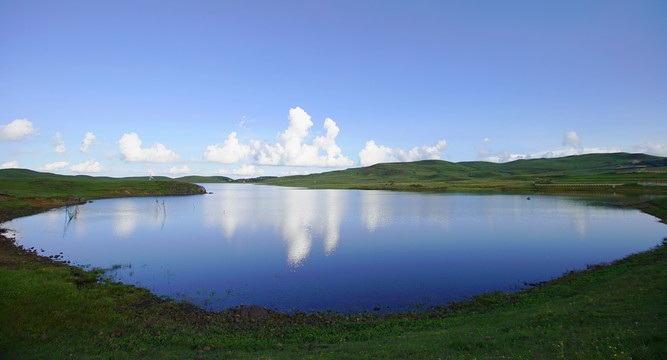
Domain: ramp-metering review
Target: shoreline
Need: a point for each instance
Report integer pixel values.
(644, 206)
(133, 315)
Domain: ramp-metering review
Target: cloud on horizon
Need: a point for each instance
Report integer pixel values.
(244, 170)
(374, 154)
(230, 152)
(651, 148)
(180, 170)
(54, 166)
(130, 148)
(9, 165)
(90, 166)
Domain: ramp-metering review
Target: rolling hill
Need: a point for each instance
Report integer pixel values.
(476, 175)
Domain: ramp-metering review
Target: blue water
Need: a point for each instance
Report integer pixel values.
(342, 250)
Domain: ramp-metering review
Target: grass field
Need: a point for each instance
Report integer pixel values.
(516, 176)
(24, 192)
(51, 310)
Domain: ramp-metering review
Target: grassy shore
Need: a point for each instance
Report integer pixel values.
(49, 309)
(25, 192)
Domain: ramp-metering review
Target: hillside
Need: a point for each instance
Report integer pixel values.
(24, 192)
(204, 179)
(478, 175)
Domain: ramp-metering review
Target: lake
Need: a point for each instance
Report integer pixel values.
(342, 250)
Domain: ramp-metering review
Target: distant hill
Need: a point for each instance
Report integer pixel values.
(204, 179)
(583, 167)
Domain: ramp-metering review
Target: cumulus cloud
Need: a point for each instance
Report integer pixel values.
(231, 151)
(291, 147)
(9, 165)
(179, 170)
(86, 142)
(58, 144)
(130, 147)
(244, 170)
(90, 166)
(54, 166)
(373, 153)
(293, 150)
(572, 139)
(16, 130)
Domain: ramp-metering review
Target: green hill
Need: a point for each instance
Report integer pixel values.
(479, 175)
(24, 192)
(204, 179)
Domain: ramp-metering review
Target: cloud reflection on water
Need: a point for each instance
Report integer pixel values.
(300, 217)
(125, 217)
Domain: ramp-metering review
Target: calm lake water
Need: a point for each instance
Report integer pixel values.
(343, 250)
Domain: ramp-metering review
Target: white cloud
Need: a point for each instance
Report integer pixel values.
(373, 154)
(294, 172)
(179, 170)
(230, 152)
(130, 147)
(291, 148)
(54, 166)
(16, 130)
(9, 165)
(58, 144)
(86, 142)
(327, 143)
(572, 139)
(505, 156)
(244, 170)
(652, 149)
(87, 167)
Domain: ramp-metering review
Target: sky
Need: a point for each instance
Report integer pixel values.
(250, 88)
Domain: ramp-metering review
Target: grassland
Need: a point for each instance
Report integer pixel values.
(608, 311)
(518, 176)
(24, 192)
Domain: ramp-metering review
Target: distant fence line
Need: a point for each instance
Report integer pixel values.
(570, 185)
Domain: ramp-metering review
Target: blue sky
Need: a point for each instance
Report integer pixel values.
(247, 88)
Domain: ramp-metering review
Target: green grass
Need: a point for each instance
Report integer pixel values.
(52, 310)
(204, 179)
(516, 176)
(49, 310)
(24, 192)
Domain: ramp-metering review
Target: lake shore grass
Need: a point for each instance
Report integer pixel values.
(23, 192)
(49, 309)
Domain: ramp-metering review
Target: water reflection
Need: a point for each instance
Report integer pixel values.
(298, 216)
(124, 217)
(579, 217)
(338, 249)
(298, 222)
(373, 210)
(335, 200)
